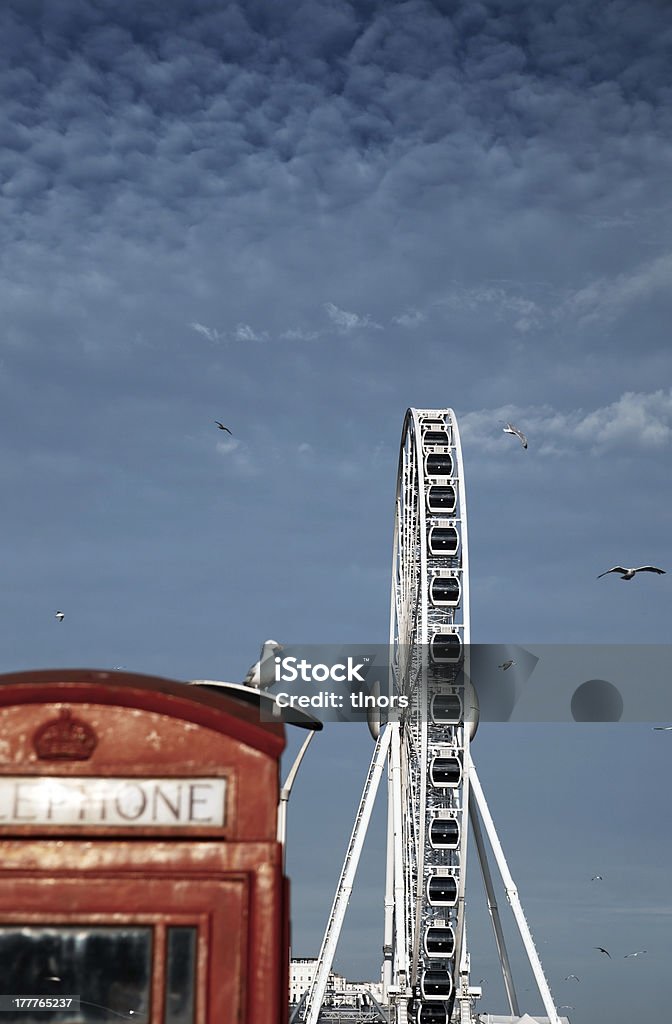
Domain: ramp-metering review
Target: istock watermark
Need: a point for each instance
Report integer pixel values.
(491, 682)
(289, 669)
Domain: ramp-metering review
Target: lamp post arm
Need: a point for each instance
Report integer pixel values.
(286, 790)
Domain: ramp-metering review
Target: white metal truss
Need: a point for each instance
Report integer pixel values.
(318, 988)
(493, 909)
(514, 900)
(429, 634)
(433, 789)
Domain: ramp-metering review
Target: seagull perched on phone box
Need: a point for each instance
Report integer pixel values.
(261, 675)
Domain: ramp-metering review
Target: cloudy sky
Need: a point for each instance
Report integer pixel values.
(300, 218)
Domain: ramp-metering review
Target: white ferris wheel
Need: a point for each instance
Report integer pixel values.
(429, 747)
(433, 789)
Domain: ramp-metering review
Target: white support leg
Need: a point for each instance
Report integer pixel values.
(388, 931)
(400, 963)
(492, 907)
(346, 881)
(513, 898)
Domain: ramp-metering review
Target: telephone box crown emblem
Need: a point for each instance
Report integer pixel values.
(65, 738)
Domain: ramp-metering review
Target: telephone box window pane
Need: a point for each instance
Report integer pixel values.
(109, 968)
(180, 976)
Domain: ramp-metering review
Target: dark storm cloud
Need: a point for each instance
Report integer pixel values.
(325, 102)
(194, 157)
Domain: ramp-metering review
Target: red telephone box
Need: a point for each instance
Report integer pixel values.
(139, 867)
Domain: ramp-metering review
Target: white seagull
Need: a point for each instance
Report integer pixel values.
(570, 976)
(510, 429)
(262, 674)
(596, 878)
(638, 953)
(60, 616)
(662, 728)
(222, 427)
(629, 573)
(506, 664)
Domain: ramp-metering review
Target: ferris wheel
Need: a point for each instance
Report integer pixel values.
(428, 777)
(434, 793)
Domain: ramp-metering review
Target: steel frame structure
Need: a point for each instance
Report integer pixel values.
(433, 789)
(428, 781)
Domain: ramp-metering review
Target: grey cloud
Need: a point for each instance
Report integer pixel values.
(201, 151)
(347, 321)
(523, 312)
(529, 307)
(633, 421)
(409, 318)
(233, 105)
(211, 333)
(239, 455)
(241, 332)
(299, 334)
(606, 298)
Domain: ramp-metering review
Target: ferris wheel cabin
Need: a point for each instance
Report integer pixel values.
(446, 708)
(444, 832)
(445, 772)
(445, 591)
(441, 498)
(439, 464)
(443, 540)
(439, 940)
(435, 432)
(442, 890)
(432, 1014)
(436, 983)
(445, 648)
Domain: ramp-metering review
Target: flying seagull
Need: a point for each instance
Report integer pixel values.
(506, 664)
(222, 427)
(510, 429)
(629, 573)
(596, 878)
(603, 950)
(638, 953)
(662, 728)
(60, 616)
(262, 674)
(570, 976)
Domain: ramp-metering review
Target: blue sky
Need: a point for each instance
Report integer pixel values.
(300, 219)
